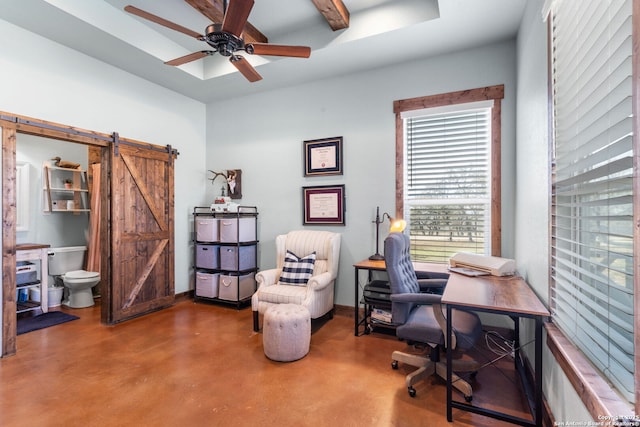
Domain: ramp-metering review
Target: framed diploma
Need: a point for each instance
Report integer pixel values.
(323, 205)
(323, 157)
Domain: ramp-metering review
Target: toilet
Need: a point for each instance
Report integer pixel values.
(66, 263)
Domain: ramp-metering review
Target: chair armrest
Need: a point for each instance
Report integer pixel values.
(320, 281)
(268, 277)
(416, 298)
(432, 275)
(431, 285)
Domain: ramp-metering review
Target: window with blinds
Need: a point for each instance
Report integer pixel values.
(447, 184)
(592, 200)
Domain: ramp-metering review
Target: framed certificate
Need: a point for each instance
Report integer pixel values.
(323, 205)
(323, 156)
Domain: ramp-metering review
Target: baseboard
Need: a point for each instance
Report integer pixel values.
(345, 310)
(183, 296)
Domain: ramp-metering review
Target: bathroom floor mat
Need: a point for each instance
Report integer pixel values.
(42, 321)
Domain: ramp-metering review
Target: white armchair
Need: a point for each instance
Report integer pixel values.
(317, 294)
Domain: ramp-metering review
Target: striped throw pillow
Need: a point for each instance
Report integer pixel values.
(297, 271)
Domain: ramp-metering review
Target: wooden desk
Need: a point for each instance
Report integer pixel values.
(509, 296)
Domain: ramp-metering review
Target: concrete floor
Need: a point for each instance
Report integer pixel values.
(198, 364)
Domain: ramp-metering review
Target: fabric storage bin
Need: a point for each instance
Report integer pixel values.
(206, 229)
(207, 284)
(237, 257)
(207, 256)
(236, 288)
(26, 272)
(234, 230)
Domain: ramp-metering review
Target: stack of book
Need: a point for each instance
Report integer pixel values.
(381, 315)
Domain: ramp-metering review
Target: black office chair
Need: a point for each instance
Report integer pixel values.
(418, 314)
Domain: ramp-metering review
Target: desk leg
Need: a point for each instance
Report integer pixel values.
(538, 373)
(449, 369)
(356, 303)
(533, 394)
(516, 338)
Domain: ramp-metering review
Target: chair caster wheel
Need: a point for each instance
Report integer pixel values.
(394, 364)
(468, 399)
(412, 392)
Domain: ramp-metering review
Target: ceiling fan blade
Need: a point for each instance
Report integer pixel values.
(278, 50)
(190, 57)
(214, 11)
(161, 21)
(245, 68)
(236, 16)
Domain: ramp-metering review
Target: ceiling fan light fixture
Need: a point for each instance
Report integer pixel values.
(223, 42)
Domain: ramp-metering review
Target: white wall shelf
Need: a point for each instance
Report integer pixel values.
(65, 190)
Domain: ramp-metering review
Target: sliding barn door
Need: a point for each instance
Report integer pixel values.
(142, 226)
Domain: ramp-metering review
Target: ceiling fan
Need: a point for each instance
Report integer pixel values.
(226, 39)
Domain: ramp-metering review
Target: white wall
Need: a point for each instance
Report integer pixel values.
(532, 197)
(263, 135)
(44, 80)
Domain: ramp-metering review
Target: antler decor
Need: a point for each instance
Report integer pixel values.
(216, 175)
(233, 178)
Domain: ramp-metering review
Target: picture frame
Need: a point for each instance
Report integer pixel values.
(323, 156)
(234, 183)
(323, 205)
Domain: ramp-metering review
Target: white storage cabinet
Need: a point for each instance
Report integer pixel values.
(225, 255)
(27, 276)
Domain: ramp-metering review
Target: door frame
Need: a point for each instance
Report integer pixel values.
(11, 125)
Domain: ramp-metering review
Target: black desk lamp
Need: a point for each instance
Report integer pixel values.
(396, 226)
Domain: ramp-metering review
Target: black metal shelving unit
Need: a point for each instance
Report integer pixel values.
(370, 303)
(236, 246)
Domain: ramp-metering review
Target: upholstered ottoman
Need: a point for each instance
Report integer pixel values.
(286, 332)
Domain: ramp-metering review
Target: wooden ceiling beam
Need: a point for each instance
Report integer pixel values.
(214, 10)
(335, 12)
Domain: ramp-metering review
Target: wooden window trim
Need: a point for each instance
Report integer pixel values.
(596, 394)
(495, 93)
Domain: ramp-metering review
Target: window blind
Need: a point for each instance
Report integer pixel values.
(592, 196)
(447, 190)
